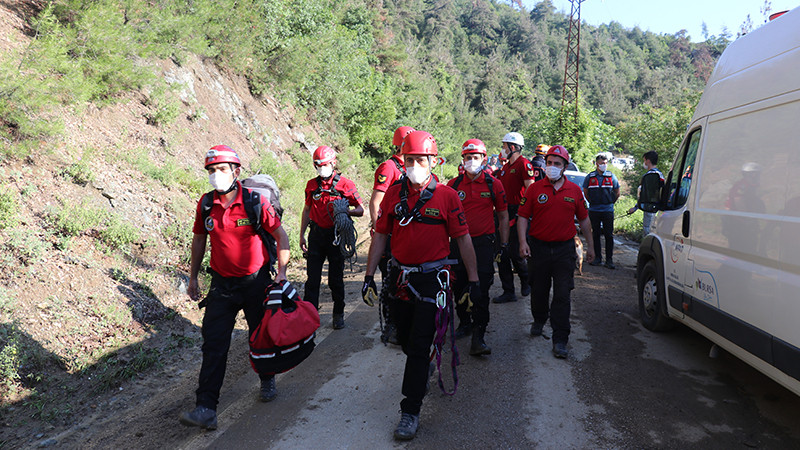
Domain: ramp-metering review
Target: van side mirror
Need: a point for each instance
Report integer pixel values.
(650, 196)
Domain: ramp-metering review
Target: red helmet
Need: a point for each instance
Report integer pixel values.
(221, 154)
(399, 134)
(559, 150)
(419, 143)
(323, 155)
(473, 146)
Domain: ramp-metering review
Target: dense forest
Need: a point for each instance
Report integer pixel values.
(458, 68)
(462, 68)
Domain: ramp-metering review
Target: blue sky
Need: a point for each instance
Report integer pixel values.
(669, 17)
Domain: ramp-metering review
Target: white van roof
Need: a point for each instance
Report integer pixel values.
(757, 66)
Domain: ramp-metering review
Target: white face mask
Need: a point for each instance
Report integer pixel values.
(504, 153)
(473, 166)
(221, 181)
(644, 164)
(553, 173)
(602, 167)
(417, 175)
(325, 171)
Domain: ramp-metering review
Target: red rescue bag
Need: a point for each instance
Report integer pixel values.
(285, 336)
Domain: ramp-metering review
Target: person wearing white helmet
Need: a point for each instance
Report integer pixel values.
(516, 175)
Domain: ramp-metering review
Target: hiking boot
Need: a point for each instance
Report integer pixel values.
(479, 347)
(407, 428)
(536, 329)
(610, 265)
(464, 329)
(525, 290)
(201, 417)
(596, 262)
(338, 321)
(389, 334)
(268, 390)
(505, 297)
(560, 350)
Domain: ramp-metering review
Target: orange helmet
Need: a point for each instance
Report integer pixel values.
(419, 143)
(399, 134)
(473, 146)
(221, 154)
(559, 150)
(542, 149)
(323, 155)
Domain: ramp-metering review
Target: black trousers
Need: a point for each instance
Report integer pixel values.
(603, 223)
(226, 297)
(383, 265)
(416, 327)
(484, 253)
(320, 247)
(512, 257)
(552, 264)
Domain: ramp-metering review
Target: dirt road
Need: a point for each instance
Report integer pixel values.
(622, 387)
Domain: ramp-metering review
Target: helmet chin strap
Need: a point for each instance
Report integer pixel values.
(233, 187)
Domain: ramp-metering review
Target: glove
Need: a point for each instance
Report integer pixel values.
(501, 253)
(472, 293)
(369, 292)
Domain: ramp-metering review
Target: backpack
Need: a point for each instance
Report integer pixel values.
(489, 183)
(255, 188)
(285, 335)
(266, 186)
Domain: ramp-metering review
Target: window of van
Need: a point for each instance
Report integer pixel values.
(680, 177)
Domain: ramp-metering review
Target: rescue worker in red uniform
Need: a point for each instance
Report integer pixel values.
(317, 215)
(386, 174)
(550, 206)
(482, 196)
(516, 175)
(422, 216)
(239, 275)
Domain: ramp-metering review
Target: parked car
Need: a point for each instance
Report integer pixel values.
(575, 176)
(623, 163)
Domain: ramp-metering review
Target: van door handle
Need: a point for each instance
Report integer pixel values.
(685, 224)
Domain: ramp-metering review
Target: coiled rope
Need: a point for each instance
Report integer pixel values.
(345, 232)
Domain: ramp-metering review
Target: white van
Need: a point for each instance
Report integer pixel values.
(723, 256)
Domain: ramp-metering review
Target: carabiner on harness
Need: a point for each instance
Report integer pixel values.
(443, 277)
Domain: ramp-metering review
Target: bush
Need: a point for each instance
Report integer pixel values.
(118, 233)
(74, 219)
(9, 362)
(629, 226)
(27, 247)
(9, 205)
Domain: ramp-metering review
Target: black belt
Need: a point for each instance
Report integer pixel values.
(549, 243)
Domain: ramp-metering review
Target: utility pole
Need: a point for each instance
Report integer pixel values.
(569, 90)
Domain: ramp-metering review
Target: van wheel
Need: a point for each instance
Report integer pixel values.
(652, 299)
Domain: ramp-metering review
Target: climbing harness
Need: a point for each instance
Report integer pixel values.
(405, 216)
